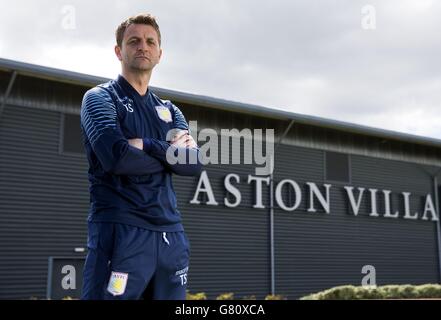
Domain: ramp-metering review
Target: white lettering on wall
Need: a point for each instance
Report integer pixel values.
(407, 214)
(314, 191)
(233, 190)
(355, 205)
(317, 196)
(429, 208)
(204, 186)
(387, 213)
(259, 181)
(373, 212)
(297, 192)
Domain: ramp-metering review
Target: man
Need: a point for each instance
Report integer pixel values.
(137, 245)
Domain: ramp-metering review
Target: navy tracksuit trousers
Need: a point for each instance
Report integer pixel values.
(127, 262)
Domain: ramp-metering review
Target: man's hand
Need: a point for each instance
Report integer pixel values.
(137, 143)
(191, 143)
(183, 140)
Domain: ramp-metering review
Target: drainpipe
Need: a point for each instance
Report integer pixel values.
(271, 196)
(8, 91)
(438, 226)
(434, 177)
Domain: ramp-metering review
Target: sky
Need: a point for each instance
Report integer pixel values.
(375, 63)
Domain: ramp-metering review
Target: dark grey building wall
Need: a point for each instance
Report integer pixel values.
(44, 203)
(43, 200)
(229, 246)
(316, 251)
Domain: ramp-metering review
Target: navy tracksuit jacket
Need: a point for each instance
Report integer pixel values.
(133, 217)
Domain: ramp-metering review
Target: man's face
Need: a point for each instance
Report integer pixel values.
(140, 49)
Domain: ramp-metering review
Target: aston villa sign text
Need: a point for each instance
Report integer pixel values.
(316, 198)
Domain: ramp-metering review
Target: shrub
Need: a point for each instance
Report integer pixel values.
(225, 296)
(428, 291)
(383, 292)
(196, 296)
(275, 297)
(230, 296)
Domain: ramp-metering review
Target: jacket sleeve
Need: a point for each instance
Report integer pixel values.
(191, 166)
(101, 127)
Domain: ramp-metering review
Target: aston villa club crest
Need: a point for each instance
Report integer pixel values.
(117, 283)
(164, 113)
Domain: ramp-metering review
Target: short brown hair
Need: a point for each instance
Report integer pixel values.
(147, 19)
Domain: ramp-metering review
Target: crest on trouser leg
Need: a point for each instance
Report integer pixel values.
(117, 283)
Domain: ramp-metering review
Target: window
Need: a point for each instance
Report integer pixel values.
(337, 167)
(72, 140)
